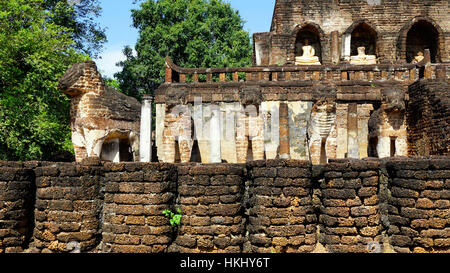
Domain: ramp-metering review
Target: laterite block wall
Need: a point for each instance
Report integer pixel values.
(350, 213)
(136, 195)
(68, 207)
(281, 213)
(16, 205)
(279, 206)
(211, 199)
(419, 204)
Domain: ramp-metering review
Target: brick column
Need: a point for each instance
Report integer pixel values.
(335, 53)
(284, 131)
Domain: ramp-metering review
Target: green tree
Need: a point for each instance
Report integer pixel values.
(35, 52)
(194, 33)
(79, 16)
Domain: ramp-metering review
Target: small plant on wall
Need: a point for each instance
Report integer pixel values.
(174, 217)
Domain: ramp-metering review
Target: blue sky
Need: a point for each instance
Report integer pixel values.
(116, 17)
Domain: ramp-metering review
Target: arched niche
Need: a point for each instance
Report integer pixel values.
(313, 34)
(360, 34)
(363, 35)
(419, 34)
(422, 35)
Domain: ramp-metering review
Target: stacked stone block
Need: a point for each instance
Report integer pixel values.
(16, 206)
(419, 205)
(281, 214)
(350, 211)
(136, 195)
(68, 205)
(211, 200)
(428, 117)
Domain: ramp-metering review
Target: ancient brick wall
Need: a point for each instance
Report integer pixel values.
(136, 195)
(390, 19)
(350, 212)
(68, 206)
(371, 205)
(281, 213)
(419, 204)
(211, 199)
(16, 205)
(428, 118)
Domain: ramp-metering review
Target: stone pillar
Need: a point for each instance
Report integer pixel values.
(228, 138)
(271, 113)
(363, 128)
(335, 53)
(111, 150)
(299, 115)
(353, 147)
(215, 136)
(346, 46)
(241, 135)
(341, 123)
(202, 123)
(384, 146)
(256, 133)
(160, 118)
(145, 150)
(284, 131)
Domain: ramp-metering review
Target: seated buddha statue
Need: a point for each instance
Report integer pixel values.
(362, 58)
(309, 56)
(418, 58)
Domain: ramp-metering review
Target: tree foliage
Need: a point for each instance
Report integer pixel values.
(35, 52)
(79, 16)
(194, 33)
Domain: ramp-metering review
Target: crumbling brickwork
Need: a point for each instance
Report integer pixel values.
(350, 214)
(16, 204)
(419, 206)
(428, 118)
(68, 206)
(104, 122)
(281, 214)
(211, 199)
(357, 206)
(136, 196)
(391, 21)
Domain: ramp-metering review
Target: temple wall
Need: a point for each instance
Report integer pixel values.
(135, 196)
(358, 206)
(16, 206)
(390, 19)
(428, 118)
(419, 206)
(230, 132)
(350, 219)
(281, 214)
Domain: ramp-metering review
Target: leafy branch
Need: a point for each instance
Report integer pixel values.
(174, 217)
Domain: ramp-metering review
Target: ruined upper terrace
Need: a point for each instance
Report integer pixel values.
(216, 81)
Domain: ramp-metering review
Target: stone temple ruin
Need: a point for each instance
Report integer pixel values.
(334, 86)
(331, 80)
